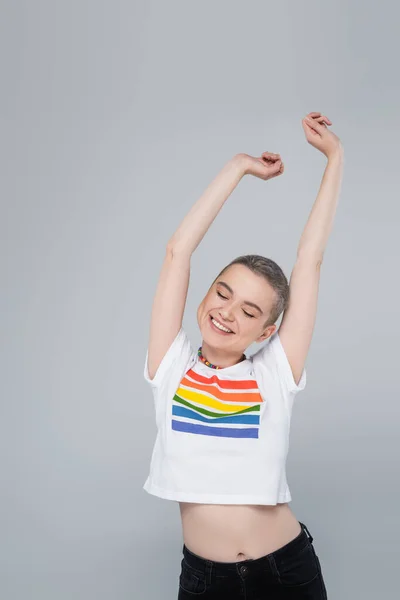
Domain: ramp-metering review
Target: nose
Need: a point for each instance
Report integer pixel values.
(225, 315)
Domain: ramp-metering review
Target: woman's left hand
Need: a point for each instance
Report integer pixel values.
(265, 167)
(318, 134)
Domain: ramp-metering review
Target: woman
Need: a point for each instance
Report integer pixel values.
(223, 419)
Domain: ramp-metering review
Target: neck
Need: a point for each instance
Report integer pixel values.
(220, 358)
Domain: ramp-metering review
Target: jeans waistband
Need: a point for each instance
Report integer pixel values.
(202, 564)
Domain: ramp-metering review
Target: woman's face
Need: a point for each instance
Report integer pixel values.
(240, 301)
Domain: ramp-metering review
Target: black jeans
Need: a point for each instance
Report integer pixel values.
(293, 571)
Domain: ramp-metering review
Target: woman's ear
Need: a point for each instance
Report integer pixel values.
(270, 330)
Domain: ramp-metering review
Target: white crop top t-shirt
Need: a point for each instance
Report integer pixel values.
(222, 434)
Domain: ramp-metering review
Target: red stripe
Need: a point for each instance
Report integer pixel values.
(228, 384)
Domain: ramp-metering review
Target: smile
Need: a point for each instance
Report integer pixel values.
(220, 326)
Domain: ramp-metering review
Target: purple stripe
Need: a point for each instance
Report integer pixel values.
(216, 431)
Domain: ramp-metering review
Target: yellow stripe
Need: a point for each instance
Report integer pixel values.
(212, 403)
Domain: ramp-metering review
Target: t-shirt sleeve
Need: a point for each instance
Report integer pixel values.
(273, 355)
(178, 355)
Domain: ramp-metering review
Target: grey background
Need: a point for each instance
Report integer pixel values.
(115, 116)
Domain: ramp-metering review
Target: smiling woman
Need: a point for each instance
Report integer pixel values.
(246, 298)
(223, 419)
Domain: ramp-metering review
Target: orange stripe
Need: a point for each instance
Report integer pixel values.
(245, 384)
(232, 397)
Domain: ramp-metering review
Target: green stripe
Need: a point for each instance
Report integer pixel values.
(204, 411)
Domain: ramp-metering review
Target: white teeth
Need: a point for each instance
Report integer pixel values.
(220, 326)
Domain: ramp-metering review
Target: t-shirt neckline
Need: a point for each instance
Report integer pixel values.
(244, 364)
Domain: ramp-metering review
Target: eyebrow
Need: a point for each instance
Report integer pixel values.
(228, 287)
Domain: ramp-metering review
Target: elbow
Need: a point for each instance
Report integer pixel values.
(174, 249)
(310, 258)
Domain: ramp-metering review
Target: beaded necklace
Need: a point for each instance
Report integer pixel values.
(208, 364)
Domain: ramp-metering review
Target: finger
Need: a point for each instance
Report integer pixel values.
(269, 160)
(312, 123)
(276, 165)
(270, 155)
(319, 116)
(314, 116)
(307, 120)
(309, 130)
(323, 118)
(277, 169)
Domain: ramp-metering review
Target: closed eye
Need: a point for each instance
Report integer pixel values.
(246, 313)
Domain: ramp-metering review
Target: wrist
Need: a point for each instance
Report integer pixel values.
(240, 163)
(336, 155)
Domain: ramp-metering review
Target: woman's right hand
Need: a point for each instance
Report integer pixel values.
(319, 136)
(265, 167)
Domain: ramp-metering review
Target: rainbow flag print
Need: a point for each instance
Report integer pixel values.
(220, 407)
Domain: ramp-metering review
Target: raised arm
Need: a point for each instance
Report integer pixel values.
(171, 292)
(298, 321)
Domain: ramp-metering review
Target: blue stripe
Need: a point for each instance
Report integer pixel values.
(181, 411)
(215, 431)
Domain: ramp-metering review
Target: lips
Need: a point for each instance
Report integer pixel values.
(219, 330)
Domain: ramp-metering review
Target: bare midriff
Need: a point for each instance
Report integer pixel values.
(231, 533)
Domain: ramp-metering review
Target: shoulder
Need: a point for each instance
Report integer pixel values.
(272, 358)
(179, 356)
